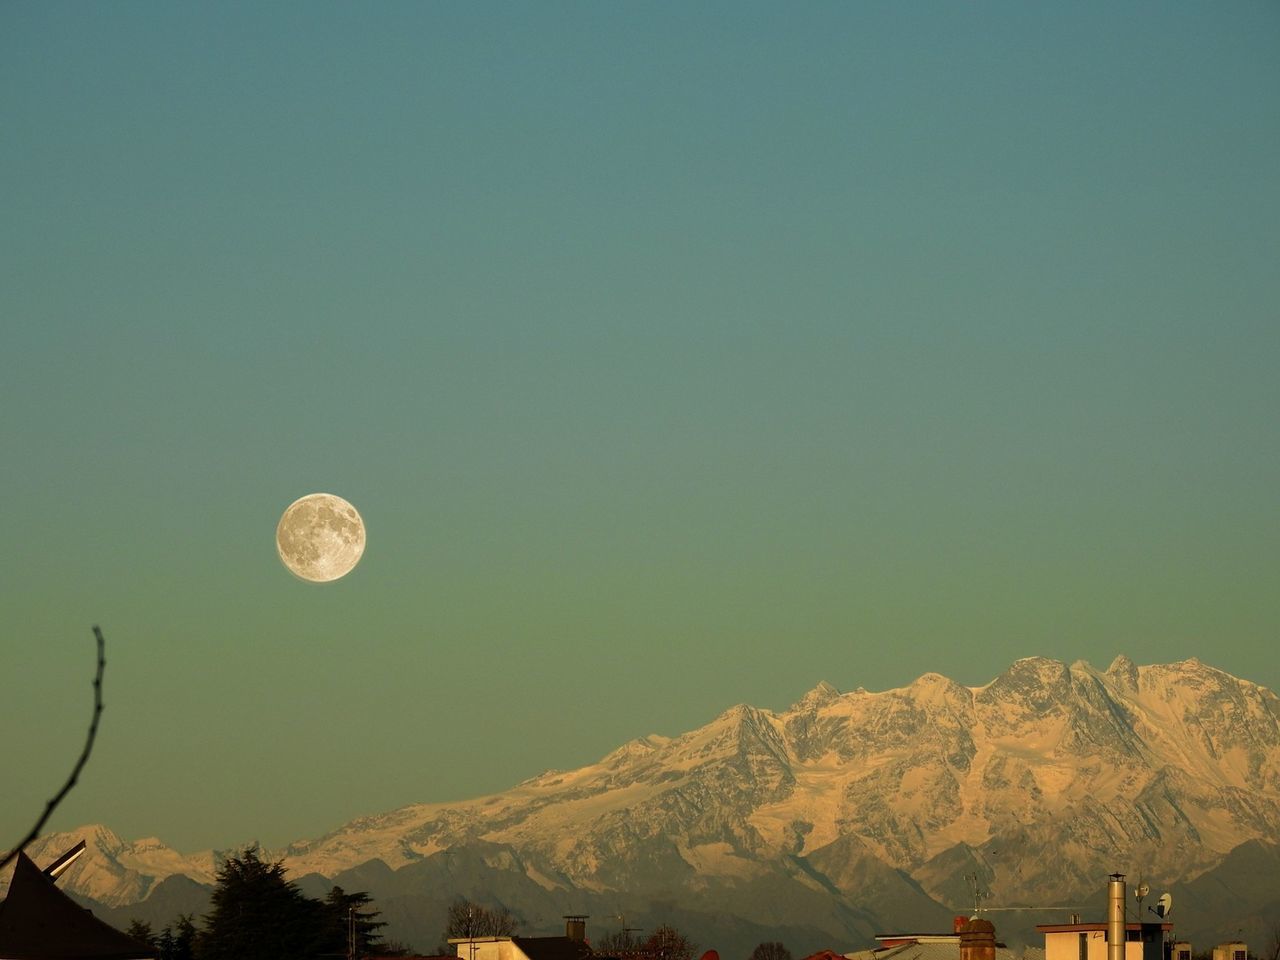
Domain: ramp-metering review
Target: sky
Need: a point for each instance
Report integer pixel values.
(676, 356)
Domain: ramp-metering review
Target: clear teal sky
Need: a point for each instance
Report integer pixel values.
(677, 355)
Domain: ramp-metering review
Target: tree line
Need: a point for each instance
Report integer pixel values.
(258, 914)
(664, 943)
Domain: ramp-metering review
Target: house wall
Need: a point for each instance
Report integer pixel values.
(489, 949)
(1067, 946)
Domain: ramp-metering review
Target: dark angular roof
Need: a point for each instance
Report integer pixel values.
(552, 948)
(40, 922)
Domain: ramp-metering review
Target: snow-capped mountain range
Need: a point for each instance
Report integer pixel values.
(849, 810)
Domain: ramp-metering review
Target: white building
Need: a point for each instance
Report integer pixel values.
(1088, 941)
(572, 946)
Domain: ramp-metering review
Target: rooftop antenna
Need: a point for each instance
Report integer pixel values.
(626, 931)
(1140, 893)
(1163, 905)
(978, 893)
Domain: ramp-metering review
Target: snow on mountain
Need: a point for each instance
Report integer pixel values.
(1172, 764)
(1047, 777)
(114, 871)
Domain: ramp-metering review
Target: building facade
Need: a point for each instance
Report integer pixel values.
(1088, 941)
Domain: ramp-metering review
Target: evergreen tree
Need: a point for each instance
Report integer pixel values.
(183, 943)
(141, 931)
(164, 944)
(342, 911)
(259, 915)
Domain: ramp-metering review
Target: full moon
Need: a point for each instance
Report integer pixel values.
(320, 537)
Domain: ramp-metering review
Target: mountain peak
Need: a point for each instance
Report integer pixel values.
(743, 718)
(641, 748)
(821, 695)
(1124, 672)
(1037, 663)
(930, 679)
(910, 782)
(1032, 672)
(1192, 669)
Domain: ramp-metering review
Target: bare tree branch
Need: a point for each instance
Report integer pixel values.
(84, 755)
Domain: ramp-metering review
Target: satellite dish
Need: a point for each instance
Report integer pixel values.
(1141, 891)
(1164, 905)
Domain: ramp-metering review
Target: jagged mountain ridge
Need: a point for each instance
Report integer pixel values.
(1043, 780)
(1172, 764)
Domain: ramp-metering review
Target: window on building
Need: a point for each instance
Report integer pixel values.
(1084, 946)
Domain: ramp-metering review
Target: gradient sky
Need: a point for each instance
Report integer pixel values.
(677, 355)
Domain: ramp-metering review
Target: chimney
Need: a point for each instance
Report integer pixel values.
(575, 926)
(978, 940)
(1115, 917)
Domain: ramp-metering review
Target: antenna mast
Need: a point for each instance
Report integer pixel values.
(978, 893)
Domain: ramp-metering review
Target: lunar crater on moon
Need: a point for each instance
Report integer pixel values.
(320, 537)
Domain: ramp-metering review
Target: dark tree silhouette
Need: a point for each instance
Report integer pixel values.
(164, 944)
(259, 915)
(350, 914)
(180, 942)
(84, 755)
(772, 950)
(141, 931)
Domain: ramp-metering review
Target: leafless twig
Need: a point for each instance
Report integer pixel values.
(84, 754)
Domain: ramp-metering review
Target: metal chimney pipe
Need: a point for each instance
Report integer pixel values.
(1115, 917)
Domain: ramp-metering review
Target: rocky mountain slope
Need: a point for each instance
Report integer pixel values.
(842, 814)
